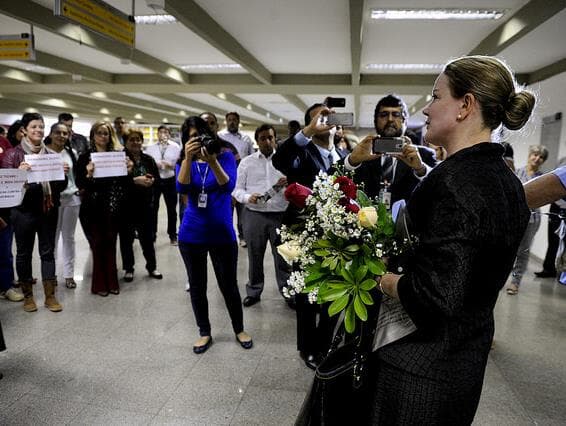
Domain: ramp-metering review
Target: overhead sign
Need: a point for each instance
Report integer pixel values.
(100, 17)
(17, 47)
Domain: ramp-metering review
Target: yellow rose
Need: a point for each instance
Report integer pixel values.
(289, 251)
(367, 216)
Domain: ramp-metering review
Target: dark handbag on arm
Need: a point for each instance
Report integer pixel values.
(341, 392)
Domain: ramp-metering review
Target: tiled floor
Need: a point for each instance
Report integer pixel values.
(127, 359)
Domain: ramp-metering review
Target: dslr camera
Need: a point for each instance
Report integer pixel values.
(211, 144)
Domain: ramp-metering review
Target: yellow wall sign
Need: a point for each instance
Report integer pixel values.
(99, 17)
(17, 47)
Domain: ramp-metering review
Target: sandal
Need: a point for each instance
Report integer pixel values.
(70, 283)
(512, 289)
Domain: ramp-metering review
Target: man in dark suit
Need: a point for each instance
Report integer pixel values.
(398, 174)
(301, 158)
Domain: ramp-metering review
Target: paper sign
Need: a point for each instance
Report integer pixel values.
(45, 167)
(393, 323)
(12, 187)
(107, 164)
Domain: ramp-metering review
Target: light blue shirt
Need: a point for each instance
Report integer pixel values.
(560, 172)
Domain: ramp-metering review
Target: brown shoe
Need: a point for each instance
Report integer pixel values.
(29, 303)
(50, 300)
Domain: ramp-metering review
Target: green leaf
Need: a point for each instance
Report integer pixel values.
(334, 263)
(363, 199)
(332, 294)
(377, 267)
(322, 252)
(338, 305)
(368, 284)
(366, 297)
(350, 319)
(323, 244)
(347, 275)
(352, 248)
(326, 262)
(361, 273)
(360, 308)
(313, 276)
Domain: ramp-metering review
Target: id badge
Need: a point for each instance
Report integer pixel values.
(202, 199)
(385, 198)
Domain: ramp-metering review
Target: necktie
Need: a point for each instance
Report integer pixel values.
(387, 169)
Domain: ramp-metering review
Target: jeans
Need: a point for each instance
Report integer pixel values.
(224, 260)
(522, 259)
(6, 258)
(167, 188)
(26, 224)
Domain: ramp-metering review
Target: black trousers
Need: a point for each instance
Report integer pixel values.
(549, 263)
(166, 187)
(224, 261)
(140, 221)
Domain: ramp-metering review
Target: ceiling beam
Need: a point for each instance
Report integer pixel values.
(242, 103)
(357, 105)
(71, 67)
(19, 75)
(195, 18)
(548, 71)
(526, 19)
(356, 33)
(297, 102)
(42, 17)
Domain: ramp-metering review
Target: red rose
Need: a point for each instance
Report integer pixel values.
(297, 195)
(349, 204)
(347, 186)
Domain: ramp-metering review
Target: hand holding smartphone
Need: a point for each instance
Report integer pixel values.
(388, 145)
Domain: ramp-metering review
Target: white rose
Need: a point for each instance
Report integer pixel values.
(367, 216)
(289, 251)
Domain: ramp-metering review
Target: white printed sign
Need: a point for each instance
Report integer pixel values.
(45, 167)
(12, 189)
(393, 323)
(107, 164)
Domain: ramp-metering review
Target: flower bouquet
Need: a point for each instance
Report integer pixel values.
(339, 246)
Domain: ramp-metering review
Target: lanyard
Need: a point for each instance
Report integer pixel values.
(203, 178)
(162, 149)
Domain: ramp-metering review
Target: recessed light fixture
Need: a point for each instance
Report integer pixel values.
(138, 116)
(268, 115)
(155, 19)
(405, 67)
(100, 95)
(104, 111)
(183, 113)
(165, 120)
(249, 107)
(132, 122)
(211, 67)
(106, 118)
(222, 96)
(437, 14)
(75, 115)
(32, 110)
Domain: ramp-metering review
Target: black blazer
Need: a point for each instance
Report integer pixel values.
(299, 164)
(469, 216)
(404, 181)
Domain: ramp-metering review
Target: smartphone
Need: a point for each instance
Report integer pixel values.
(388, 145)
(331, 102)
(341, 119)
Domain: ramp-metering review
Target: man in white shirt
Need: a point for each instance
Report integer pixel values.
(165, 153)
(259, 188)
(245, 147)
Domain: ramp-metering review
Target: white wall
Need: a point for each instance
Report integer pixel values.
(551, 96)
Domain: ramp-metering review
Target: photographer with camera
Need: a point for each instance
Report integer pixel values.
(394, 175)
(259, 188)
(208, 177)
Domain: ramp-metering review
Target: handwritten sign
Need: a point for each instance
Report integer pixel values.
(45, 167)
(107, 164)
(12, 189)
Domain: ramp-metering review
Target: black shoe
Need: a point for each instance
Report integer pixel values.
(250, 301)
(129, 276)
(545, 274)
(155, 274)
(203, 348)
(311, 361)
(245, 345)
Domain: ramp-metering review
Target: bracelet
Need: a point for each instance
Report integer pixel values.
(380, 287)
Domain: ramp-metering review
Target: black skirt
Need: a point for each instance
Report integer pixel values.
(2, 343)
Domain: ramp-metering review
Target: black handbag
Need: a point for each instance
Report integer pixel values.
(341, 390)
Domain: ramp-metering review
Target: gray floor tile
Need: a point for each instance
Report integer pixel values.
(36, 409)
(282, 374)
(109, 416)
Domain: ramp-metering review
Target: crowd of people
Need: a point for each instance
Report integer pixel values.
(465, 204)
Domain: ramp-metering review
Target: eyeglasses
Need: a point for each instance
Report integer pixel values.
(395, 114)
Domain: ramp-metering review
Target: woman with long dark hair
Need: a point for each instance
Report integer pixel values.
(208, 177)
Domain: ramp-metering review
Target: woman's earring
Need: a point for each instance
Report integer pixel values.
(459, 118)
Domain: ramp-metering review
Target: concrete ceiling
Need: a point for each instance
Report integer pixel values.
(292, 53)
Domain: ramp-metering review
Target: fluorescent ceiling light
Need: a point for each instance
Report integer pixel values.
(436, 14)
(104, 111)
(405, 67)
(155, 19)
(211, 67)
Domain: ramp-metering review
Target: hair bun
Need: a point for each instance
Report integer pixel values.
(518, 109)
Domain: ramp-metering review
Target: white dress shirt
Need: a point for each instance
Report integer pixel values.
(256, 174)
(164, 153)
(242, 142)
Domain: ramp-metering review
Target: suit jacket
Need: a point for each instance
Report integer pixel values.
(404, 181)
(299, 164)
(469, 216)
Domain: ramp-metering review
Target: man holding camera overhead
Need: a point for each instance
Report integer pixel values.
(260, 187)
(391, 177)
